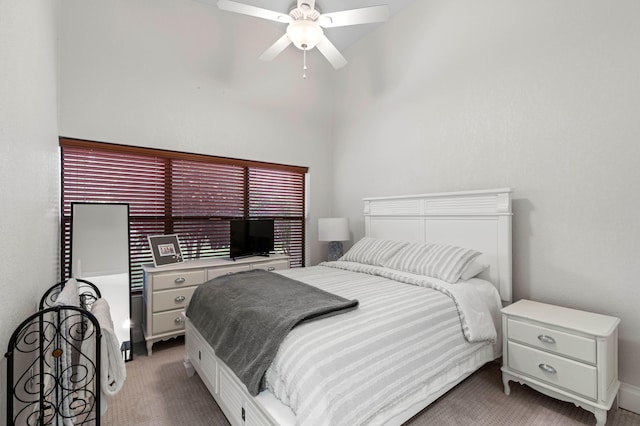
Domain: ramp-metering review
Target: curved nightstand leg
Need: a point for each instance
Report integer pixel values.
(601, 417)
(505, 381)
(149, 347)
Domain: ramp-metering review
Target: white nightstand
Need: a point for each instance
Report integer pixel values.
(567, 354)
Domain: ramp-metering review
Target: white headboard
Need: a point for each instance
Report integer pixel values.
(480, 220)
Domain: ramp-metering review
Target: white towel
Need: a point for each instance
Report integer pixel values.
(115, 371)
(112, 368)
(69, 321)
(69, 295)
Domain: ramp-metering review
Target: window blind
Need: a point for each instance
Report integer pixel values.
(191, 195)
(279, 195)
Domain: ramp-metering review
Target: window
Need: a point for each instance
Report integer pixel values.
(191, 195)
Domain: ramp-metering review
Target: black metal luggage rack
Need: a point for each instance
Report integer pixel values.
(50, 381)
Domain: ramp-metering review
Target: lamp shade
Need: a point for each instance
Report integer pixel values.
(333, 229)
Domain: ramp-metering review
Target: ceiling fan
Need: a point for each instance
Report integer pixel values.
(305, 24)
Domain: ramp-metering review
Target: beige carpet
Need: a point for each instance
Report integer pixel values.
(157, 392)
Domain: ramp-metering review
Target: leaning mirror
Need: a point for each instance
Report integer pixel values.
(100, 254)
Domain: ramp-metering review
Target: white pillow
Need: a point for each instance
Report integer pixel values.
(372, 251)
(440, 261)
(473, 269)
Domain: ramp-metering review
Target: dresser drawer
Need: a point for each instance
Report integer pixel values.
(172, 299)
(565, 344)
(226, 270)
(560, 372)
(164, 322)
(178, 279)
(273, 265)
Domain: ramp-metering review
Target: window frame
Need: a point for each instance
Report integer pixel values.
(296, 219)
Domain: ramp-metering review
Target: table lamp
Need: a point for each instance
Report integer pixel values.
(335, 230)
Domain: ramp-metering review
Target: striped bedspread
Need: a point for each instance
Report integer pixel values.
(349, 369)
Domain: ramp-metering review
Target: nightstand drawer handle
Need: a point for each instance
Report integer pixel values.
(180, 320)
(179, 299)
(546, 339)
(179, 280)
(547, 368)
(271, 268)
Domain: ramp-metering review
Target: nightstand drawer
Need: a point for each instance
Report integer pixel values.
(172, 299)
(565, 344)
(168, 321)
(178, 279)
(561, 372)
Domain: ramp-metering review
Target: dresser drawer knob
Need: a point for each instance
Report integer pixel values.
(271, 268)
(179, 280)
(547, 368)
(546, 339)
(179, 299)
(178, 320)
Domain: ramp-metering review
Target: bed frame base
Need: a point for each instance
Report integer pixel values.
(243, 409)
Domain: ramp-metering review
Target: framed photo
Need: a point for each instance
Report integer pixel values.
(165, 249)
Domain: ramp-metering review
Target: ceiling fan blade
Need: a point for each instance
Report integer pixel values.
(258, 12)
(366, 15)
(276, 48)
(331, 53)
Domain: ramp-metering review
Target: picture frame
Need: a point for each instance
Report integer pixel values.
(165, 249)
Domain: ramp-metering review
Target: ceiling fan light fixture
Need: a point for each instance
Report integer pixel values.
(306, 24)
(304, 34)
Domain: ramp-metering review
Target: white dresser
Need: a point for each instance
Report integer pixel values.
(565, 353)
(168, 289)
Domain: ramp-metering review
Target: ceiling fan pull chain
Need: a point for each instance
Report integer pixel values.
(304, 63)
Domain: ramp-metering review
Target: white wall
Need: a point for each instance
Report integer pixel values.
(29, 164)
(183, 75)
(540, 96)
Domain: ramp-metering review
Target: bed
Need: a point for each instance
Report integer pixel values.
(413, 336)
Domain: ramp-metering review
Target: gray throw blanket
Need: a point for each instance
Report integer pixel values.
(245, 316)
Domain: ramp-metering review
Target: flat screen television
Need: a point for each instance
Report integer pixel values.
(251, 237)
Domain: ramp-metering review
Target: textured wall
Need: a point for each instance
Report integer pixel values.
(29, 169)
(539, 96)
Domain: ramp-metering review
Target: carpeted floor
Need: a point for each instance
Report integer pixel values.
(157, 392)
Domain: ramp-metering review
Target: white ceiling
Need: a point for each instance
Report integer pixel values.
(341, 37)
